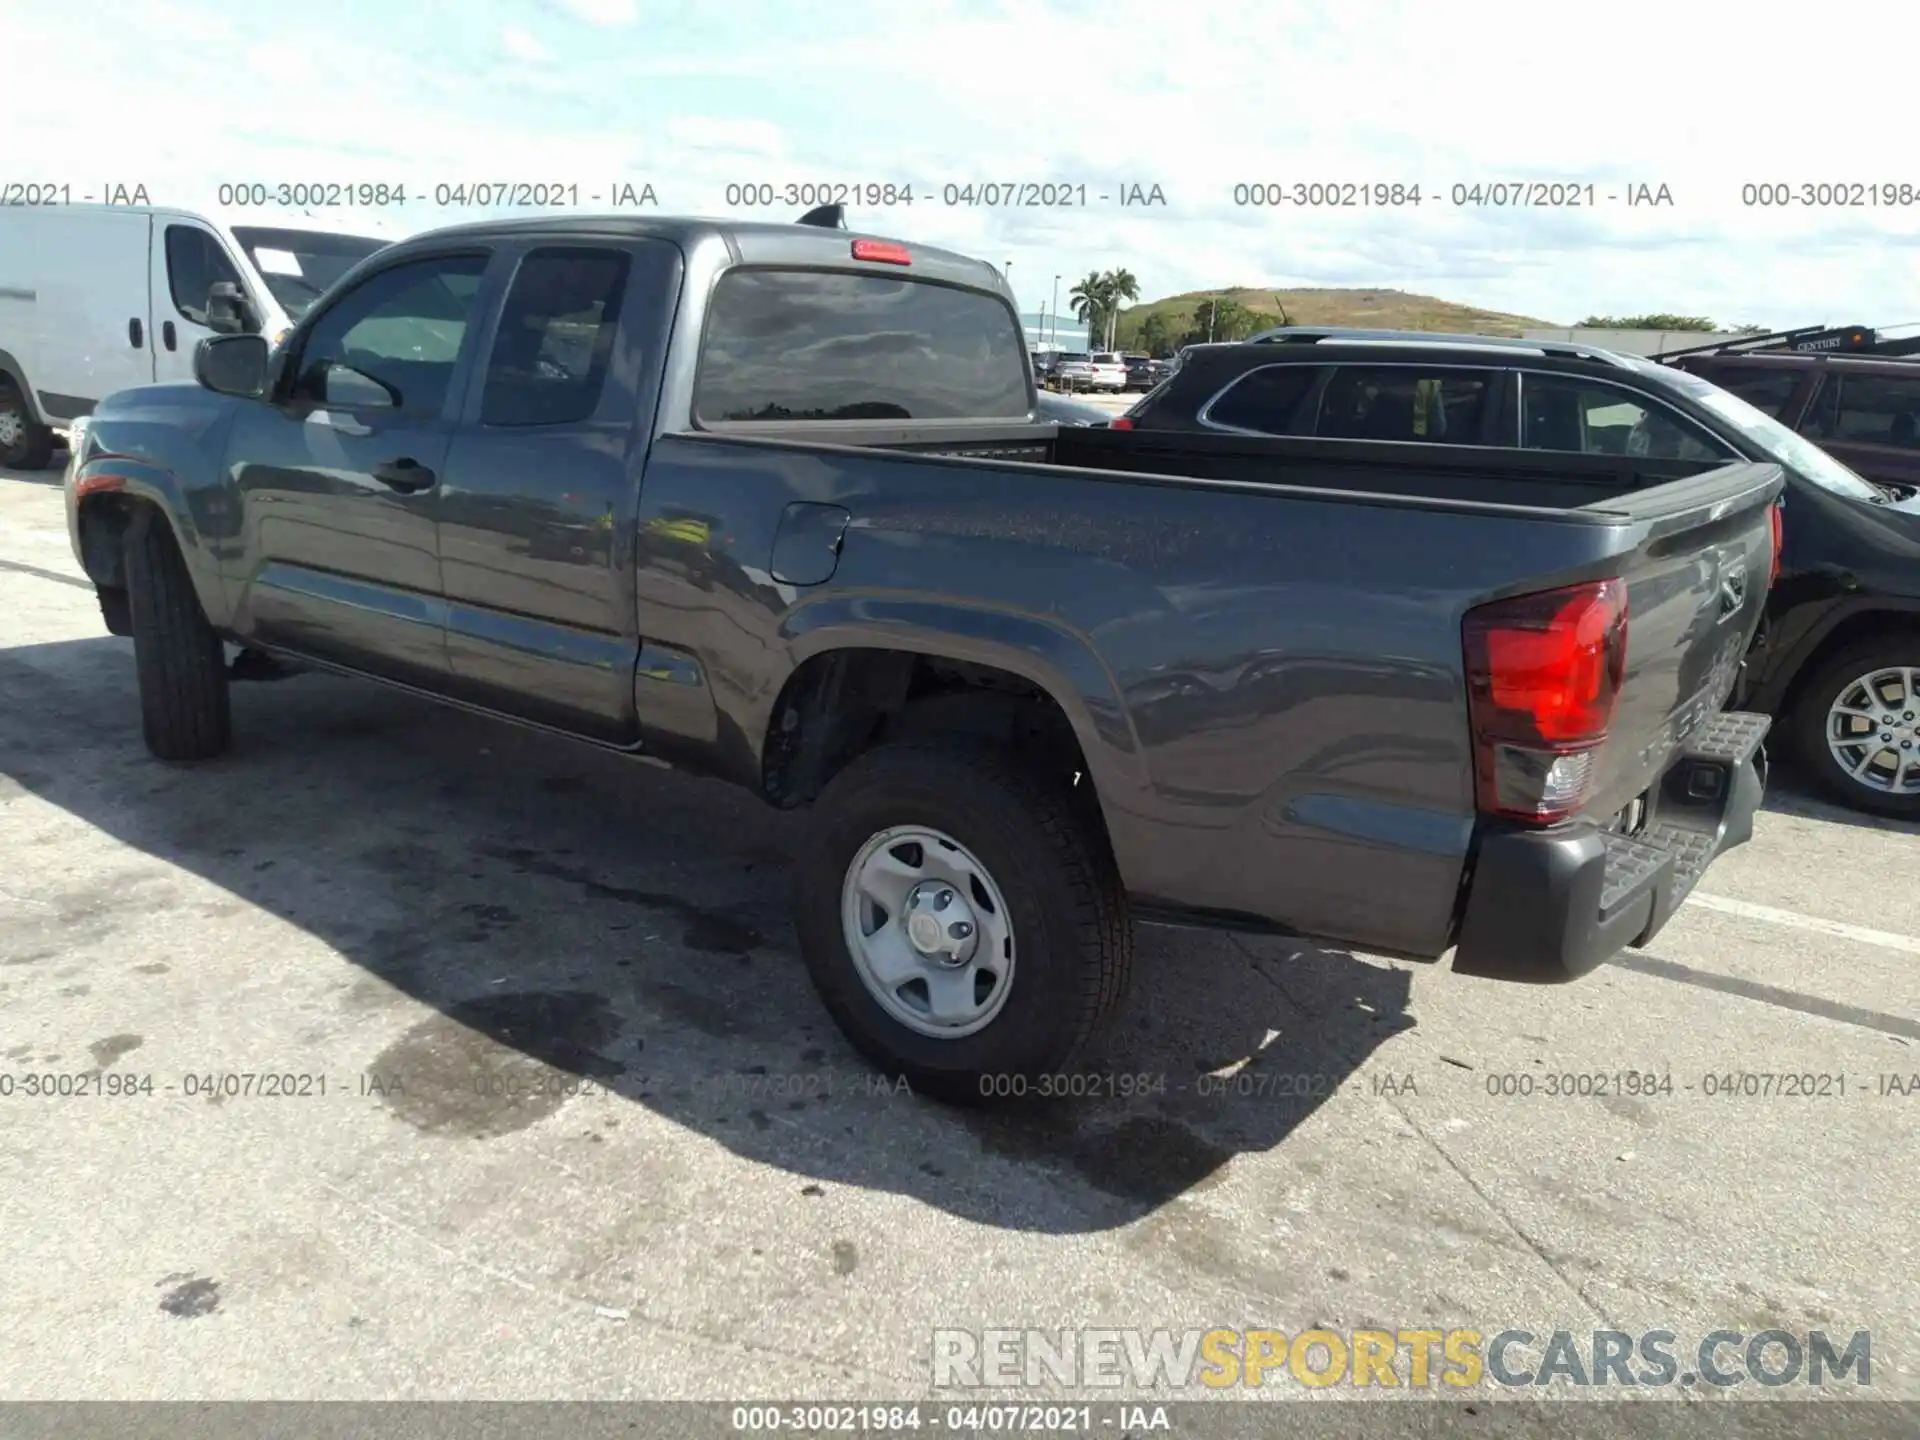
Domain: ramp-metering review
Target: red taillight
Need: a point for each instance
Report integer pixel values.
(1543, 672)
(93, 484)
(1779, 538)
(884, 251)
(1120, 422)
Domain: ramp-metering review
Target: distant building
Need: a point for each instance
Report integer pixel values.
(1054, 332)
(1635, 342)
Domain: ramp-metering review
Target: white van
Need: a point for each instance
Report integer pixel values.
(97, 298)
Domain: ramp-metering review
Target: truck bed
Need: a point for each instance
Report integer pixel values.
(1479, 474)
(1271, 668)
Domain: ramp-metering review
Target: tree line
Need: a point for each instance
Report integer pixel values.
(1695, 323)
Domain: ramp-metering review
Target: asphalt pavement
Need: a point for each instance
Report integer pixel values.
(539, 1103)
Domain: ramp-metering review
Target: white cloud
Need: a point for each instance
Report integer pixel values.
(1195, 98)
(754, 138)
(523, 45)
(606, 13)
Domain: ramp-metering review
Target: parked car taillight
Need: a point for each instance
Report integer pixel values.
(1779, 539)
(1543, 673)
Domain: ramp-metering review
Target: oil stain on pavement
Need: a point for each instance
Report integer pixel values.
(191, 1297)
(496, 1064)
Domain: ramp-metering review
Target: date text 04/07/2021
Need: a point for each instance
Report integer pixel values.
(909, 1419)
(1325, 194)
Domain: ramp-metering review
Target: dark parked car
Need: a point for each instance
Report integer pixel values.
(1863, 410)
(1838, 655)
(673, 487)
(1144, 372)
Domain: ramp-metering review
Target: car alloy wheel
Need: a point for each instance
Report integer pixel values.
(1873, 730)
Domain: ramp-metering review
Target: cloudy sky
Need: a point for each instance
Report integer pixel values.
(1701, 96)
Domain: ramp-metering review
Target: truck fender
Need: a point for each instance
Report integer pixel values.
(1062, 663)
(112, 485)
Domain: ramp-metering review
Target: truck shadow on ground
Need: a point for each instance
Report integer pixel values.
(573, 919)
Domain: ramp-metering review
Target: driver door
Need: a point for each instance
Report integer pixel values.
(338, 473)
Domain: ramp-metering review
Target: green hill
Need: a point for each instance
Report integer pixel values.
(1371, 309)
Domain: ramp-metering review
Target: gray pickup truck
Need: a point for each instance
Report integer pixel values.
(772, 502)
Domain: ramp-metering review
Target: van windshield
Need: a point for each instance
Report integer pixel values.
(299, 265)
(1781, 445)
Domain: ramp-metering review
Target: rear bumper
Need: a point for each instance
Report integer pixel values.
(1547, 906)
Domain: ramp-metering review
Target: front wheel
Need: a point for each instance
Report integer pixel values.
(181, 664)
(24, 443)
(961, 919)
(1858, 725)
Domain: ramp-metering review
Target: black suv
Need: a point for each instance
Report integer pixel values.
(1855, 396)
(1838, 655)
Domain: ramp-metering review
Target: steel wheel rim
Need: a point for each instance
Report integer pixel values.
(902, 901)
(1873, 730)
(13, 424)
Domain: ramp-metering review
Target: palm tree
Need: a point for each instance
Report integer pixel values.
(1119, 285)
(1091, 302)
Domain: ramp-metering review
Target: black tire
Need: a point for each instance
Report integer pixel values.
(181, 663)
(1817, 696)
(31, 445)
(1073, 936)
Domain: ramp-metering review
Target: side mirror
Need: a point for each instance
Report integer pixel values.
(228, 312)
(232, 365)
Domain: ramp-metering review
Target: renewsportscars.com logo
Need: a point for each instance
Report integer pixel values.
(1390, 1359)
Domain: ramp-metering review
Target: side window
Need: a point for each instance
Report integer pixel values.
(196, 262)
(556, 334)
(392, 342)
(1405, 402)
(1589, 417)
(1876, 410)
(1263, 400)
(1767, 390)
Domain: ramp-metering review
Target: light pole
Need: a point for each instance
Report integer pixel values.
(1056, 308)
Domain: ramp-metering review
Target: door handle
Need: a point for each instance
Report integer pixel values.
(167, 336)
(406, 475)
(135, 333)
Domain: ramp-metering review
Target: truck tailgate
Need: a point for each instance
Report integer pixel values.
(1697, 583)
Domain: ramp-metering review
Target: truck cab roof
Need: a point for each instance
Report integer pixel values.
(746, 242)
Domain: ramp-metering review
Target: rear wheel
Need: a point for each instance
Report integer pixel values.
(24, 443)
(961, 919)
(1858, 725)
(181, 663)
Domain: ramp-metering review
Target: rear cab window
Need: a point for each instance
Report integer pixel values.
(785, 345)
